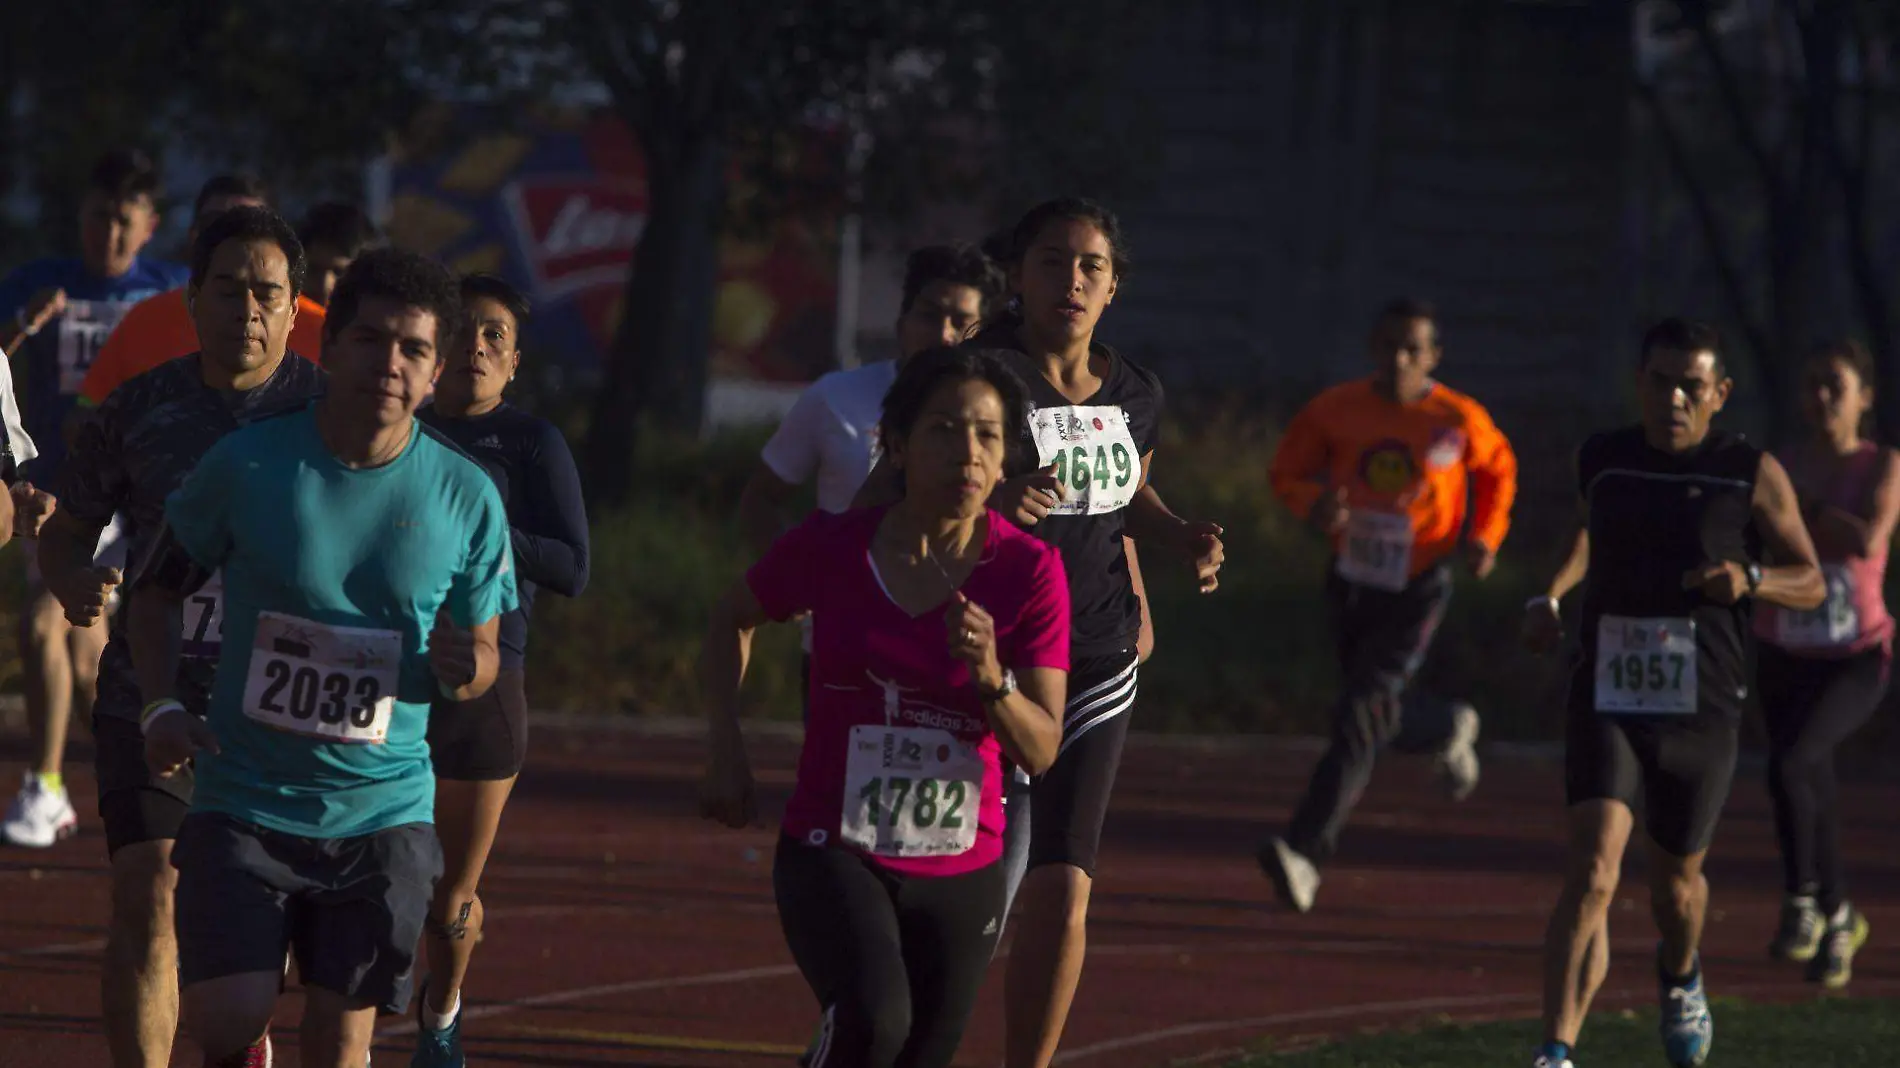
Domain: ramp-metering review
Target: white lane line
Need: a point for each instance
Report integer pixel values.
(558, 997)
(59, 950)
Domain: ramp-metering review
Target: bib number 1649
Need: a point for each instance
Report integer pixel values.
(1075, 469)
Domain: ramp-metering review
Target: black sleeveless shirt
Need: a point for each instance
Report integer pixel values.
(1654, 516)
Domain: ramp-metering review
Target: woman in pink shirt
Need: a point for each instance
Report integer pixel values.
(1823, 673)
(940, 645)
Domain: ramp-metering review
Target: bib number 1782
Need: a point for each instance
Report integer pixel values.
(933, 802)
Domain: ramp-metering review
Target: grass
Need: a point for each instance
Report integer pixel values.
(1823, 1033)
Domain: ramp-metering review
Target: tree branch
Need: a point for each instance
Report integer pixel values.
(1726, 84)
(1698, 193)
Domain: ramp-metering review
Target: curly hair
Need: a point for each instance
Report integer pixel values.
(407, 278)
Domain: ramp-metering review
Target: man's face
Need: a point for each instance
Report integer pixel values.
(1679, 393)
(944, 313)
(384, 361)
(112, 231)
(243, 307)
(1404, 352)
(326, 264)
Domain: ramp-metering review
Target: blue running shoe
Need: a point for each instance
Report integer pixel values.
(437, 1049)
(1687, 1028)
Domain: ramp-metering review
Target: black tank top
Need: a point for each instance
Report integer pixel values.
(1655, 515)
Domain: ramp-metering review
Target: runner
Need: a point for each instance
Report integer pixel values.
(132, 452)
(365, 567)
(160, 328)
(1092, 429)
(333, 235)
(1823, 673)
(939, 648)
(1675, 516)
(57, 311)
(477, 748)
(1382, 466)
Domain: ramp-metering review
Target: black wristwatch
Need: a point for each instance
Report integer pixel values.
(1753, 571)
(1008, 687)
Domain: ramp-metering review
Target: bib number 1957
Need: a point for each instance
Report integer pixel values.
(1646, 665)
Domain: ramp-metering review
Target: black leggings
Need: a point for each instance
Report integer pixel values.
(896, 961)
(1811, 705)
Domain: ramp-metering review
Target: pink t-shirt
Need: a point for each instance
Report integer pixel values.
(899, 762)
(1854, 617)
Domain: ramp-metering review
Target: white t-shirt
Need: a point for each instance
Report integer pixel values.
(831, 432)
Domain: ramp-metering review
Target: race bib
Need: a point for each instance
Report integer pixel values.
(1835, 623)
(1376, 550)
(333, 683)
(1646, 665)
(1094, 456)
(204, 618)
(911, 792)
(82, 333)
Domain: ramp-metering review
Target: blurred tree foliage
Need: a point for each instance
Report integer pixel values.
(921, 99)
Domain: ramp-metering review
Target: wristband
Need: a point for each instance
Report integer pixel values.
(156, 709)
(1543, 599)
(19, 320)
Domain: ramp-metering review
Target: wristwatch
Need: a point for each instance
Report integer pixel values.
(1008, 687)
(1753, 571)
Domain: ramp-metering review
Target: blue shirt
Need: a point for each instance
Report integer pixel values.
(49, 366)
(332, 580)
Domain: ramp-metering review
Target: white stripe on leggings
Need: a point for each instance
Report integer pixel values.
(822, 1051)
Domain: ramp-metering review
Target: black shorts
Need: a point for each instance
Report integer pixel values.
(1679, 767)
(1068, 803)
(135, 805)
(484, 739)
(352, 909)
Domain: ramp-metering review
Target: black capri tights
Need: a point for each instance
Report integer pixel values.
(1811, 705)
(896, 961)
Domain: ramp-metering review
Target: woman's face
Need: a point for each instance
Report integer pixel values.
(1066, 278)
(1833, 397)
(953, 456)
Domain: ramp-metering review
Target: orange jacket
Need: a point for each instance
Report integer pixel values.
(159, 329)
(1417, 459)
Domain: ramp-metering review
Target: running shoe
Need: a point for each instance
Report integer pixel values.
(1687, 1028)
(1544, 1061)
(39, 815)
(1802, 925)
(1833, 963)
(1295, 878)
(1457, 762)
(437, 1049)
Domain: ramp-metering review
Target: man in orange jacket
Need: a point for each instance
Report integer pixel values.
(1382, 466)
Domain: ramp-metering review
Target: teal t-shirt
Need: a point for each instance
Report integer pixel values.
(332, 579)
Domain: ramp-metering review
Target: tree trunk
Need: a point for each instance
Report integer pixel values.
(656, 369)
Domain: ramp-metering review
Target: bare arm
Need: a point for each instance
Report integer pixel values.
(466, 667)
(1574, 569)
(1145, 641)
(67, 545)
(1791, 576)
(762, 507)
(1028, 723)
(1839, 533)
(726, 793)
(154, 621)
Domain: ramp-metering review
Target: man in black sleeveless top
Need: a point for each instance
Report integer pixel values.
(1671, 557)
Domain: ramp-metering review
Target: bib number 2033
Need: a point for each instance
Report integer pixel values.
(333, 683)
(1646, 666)
(911, 792)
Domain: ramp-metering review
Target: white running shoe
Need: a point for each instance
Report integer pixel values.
(1545, 1062)
(39, 816)
(1295, 878)
(1457, 762)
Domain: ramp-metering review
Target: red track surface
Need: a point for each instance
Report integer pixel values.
(624, 931)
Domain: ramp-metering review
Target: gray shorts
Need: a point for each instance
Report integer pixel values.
(352, 909)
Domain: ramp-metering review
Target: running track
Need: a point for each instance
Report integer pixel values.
(624, 931)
